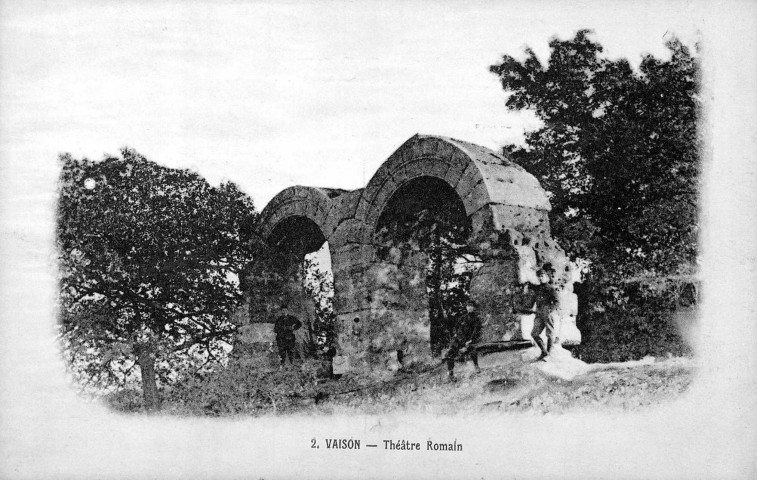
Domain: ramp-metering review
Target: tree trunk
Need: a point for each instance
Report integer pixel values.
(146, 360)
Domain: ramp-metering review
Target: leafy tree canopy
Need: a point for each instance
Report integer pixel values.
(150, 258)
(618, 151)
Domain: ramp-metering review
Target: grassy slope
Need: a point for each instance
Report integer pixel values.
(524, 386)
(508, 382)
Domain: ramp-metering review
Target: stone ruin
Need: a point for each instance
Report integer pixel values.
(380, 293)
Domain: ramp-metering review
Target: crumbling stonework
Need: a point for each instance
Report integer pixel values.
(381, 300)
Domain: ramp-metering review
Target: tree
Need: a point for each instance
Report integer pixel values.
(150, 259)
(618, 151)
(319, 285)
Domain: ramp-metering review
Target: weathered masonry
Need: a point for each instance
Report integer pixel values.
(380, 295)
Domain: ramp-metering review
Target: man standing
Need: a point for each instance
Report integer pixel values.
(465, 335)
(545, 307)
(284, 329)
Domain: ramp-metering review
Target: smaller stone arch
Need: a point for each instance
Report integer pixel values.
(293, 224)
(298, 201)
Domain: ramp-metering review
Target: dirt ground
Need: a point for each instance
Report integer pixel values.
(515, 382)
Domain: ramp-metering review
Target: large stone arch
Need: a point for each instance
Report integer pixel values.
(489, 185)
(508, 213)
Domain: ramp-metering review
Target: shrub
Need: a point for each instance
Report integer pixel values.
(631, 320)
(244, 387)
(125, 401)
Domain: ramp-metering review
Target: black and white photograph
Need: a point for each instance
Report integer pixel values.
(294, 240)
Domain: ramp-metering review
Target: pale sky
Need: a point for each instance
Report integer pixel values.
(273, 95)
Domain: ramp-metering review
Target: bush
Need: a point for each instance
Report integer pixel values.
(244, 387)
(631, 320)
(125, 401)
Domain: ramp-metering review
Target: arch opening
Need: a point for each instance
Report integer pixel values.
(417, 209)
(426, 218)
(297, 235)
(293, 276)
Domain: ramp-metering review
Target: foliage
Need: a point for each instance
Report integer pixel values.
(247, 386)
(150, 258)
(319, 285)
(618, 151)
(448, 274)
(634, 319)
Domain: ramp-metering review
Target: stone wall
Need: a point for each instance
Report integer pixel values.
(384, 288)
(387, 296)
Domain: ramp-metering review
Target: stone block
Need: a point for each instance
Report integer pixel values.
(415, 148)
(351, 255)
(508, 193)
(482, 225)
(301, 191)
(431, 147)
(378, 200)
(341, 364)
(350, 202)
(445, 150)
(353, 291)
(470, 177)
(459, 162)
(351, 336)
(437, 168)
(320, 215)
(370, 230)
(509, 237)
(476, 199)
(412, 169)
(331, 219)
(527, 265)
(493, 171)
(365, 204)
(282, 196)
(347, 232)
(493, 278)
(310, 210)
(529, 221)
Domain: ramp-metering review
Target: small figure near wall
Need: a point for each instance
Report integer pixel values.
(545, 308)
(465, 335)
(284, 329)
